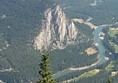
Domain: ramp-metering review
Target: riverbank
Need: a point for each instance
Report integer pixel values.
(102, 59)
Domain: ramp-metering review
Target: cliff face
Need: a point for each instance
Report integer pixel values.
(57, 32)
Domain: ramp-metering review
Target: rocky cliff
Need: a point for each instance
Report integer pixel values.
(57, 31)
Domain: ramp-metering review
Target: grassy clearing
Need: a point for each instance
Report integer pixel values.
(115, 47)
(109, 67)
(86, 74)
(113, 31)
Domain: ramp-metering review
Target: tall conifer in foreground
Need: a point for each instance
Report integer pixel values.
(45, 70)
(109, 81)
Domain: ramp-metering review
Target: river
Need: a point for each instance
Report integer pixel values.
(97, 40)
(101, 57)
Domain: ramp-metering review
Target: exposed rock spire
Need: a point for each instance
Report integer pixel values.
(57, 32)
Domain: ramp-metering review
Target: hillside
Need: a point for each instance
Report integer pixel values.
(81, 35)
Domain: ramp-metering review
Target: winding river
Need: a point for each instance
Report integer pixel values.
(101, 57)
(97, 40)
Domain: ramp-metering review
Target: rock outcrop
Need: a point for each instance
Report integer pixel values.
(57, 31)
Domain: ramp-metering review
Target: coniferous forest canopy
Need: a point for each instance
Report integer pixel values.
(94, 21)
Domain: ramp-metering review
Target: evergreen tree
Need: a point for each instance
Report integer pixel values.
(109, 81)
(45, 71)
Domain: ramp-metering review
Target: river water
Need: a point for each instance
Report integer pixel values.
(97, 40)
(101, 57)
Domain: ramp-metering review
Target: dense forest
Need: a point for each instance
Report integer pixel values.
(21, 22)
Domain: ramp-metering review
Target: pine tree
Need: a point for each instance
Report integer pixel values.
(45, 70)
(109, 81)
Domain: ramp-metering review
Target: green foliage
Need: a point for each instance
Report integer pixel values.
(86, 75)
(109, 81)
(113, 32)
(45, 72)
(25, 18)
(109, 67)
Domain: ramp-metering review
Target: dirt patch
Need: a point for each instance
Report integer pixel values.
(90, 51)
(91, 25)
(114, 73)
